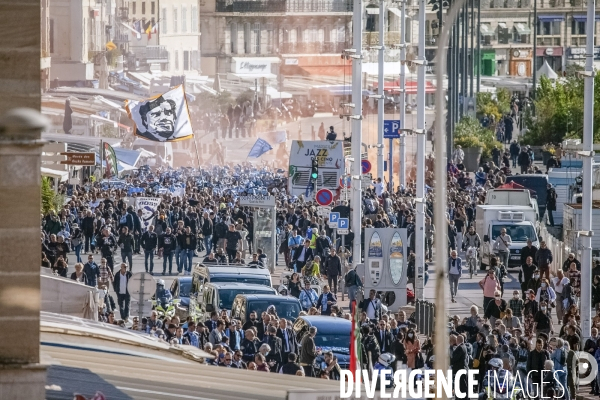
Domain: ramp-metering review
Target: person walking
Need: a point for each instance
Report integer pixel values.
(126, 242)
(166, 246)
(149, 243)
(524, 160)
(543, 258)
(454, 273)
(502, 246)
(352, 282)
(490, 284)
(551, 197)
(120, 285)
(333, 267)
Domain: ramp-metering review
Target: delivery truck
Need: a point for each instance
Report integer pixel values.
(521, 225)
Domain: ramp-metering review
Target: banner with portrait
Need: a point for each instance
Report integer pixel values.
(162, 118)
(148, 205)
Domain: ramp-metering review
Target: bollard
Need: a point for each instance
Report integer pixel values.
(21, 374)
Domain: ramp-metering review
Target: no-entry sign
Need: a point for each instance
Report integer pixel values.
(324, 197)
(366, 166)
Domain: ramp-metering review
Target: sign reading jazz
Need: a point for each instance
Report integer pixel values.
(330, 160)
(257, 201)
(163, 118)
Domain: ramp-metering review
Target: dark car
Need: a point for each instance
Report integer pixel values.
(537, 184)
(333, 334)
(180, 289)
(287, 307)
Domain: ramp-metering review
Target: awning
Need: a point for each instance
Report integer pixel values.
(322, 70)
(583, 18)
(486, 30)
(551, 18)
(337, 90)
(502, 25)
(396, 12)
(522, 28)
(372, 10)
(130, 157)
(410, 87)
(250, 77)
(56, 174)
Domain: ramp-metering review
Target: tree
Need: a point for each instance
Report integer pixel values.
(469, 133)
(559, 111)
(51, 201)
(488, 104)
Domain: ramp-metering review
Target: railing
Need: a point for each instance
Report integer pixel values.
(312, 48)
(251, 6)
(121, 38)
(283, 6)
(390, 38)
(156, 53)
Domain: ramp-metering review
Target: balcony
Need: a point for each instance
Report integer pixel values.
(274, 6)
(152, 54)
(312, 48)
(372, 38)
(284, 6)
(121, 38)
(548, 41)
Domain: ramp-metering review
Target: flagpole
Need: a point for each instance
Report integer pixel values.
(197, 154)
(101, 159)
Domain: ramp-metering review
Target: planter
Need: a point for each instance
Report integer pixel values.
(546, 155)
(472, 157)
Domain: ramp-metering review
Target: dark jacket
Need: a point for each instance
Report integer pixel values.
(364, 305)
(352, 279)
(567, 264)
(187, 242)
(275, 354)
(84, 277)
(249, 348)
(126, 242)
(459, 359)
(137, 223)
(330, 297)
(126, 220)
(168, 243)
(543, 257)
(524, 160)
(207, 227)
(92, 273)
(385, 342)
(117, 281)
(290, 368)
(293, 345)
(308, 350)
(149, 241)
(106, 244)
(536, 360)
(333, 266)
(309, 254)
(528, 252)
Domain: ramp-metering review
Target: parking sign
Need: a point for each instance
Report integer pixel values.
(333, 219)
(390, 129)
(342, 225)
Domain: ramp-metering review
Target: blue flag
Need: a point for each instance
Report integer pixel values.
(260, 147)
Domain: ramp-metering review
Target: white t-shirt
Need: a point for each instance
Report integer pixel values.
(558, 286)
(454, 266)
(123, 283)
(371, 308)
(378, 188)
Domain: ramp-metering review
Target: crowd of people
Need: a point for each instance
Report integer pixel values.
(203, 221)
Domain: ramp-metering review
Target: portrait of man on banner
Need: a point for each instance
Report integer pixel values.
(163, 118)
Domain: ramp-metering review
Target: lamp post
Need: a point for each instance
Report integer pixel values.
(441, 233)
(381, 97)
(534, 67)
(402, 171)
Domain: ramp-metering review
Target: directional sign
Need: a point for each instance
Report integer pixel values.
(333, 219)
(390, 129)
(141, 286)
(343, 224)
(74, 158)
(366, 166)
(324, 197)
(323, 212)
(346, 181)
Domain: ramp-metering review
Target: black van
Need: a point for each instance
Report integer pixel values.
(287, 307)
(538, 185)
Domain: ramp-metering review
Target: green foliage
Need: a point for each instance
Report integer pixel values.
(51, 201)
(245, 96)
(490, 104)
(559, 111)
(469, 133)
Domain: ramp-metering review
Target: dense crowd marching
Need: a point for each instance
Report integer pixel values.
(205, 222)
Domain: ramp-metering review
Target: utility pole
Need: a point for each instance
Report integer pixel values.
(535, 25)
(357, 27)
(450, 101)
(478, 46)
(420, 219)
(588, 158)
(472, 51)
(465, 69)
(381, 100)
(402, 171)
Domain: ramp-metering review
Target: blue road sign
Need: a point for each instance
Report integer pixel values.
(334, 217)
(390, 129)
(343, 223)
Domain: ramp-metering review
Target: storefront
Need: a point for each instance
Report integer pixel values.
(317, 65)
(488, 62)
(251, 68)
(553, 55)
(519, 64)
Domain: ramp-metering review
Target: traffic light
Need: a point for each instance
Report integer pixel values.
(314, 170)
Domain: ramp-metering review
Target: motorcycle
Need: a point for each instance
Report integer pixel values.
(165, 309)
(472, 260)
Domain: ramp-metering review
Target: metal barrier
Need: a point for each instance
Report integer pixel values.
(560, 251)
(425, 317)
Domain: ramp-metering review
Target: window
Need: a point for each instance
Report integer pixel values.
(233, 29)
(51, 36)
(548, 28)
(143, 8)
(176, 55)
(153, 8)
(503, 33)
(270, 37)
(184, 19)
(195, 60)
(255, 38)
(293, 35)
(341, 34)
(247, 38)
(194, 19)
(577, 27)
(163, 20)
(133, 7)
(186, 60)
(175, 12)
